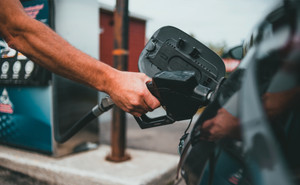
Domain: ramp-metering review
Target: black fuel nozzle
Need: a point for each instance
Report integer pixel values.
(180, 94)
(103, 106)
(174, 90)
(203, 94)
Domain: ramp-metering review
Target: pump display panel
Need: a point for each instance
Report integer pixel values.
(25, 96)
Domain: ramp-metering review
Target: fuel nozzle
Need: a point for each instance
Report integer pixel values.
(174, 90)
(103, 106)
(203, 93)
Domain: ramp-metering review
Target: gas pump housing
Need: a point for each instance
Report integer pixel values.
(36, 104)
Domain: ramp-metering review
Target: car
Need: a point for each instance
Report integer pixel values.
(263, 94)
(250, 129)
(232, 58)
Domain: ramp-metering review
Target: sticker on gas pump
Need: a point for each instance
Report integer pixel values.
(6, 51)
(20, 56)
(29, 67)
(4, 70)
(16, 69)
(32, 11)
(5, 104)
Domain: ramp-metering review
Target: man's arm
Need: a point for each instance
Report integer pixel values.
(46, 48)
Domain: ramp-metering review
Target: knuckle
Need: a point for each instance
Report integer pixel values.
(129, 109)
(144, 76)
(141, 93)
(134, 103)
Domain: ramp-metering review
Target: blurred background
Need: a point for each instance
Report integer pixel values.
(219, 23)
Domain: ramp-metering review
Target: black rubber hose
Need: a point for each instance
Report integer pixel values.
(75, 128)
(105, 105)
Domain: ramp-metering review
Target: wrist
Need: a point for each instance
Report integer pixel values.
(106, 78)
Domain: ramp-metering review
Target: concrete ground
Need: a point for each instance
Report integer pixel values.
(9, 177)
(162, 139)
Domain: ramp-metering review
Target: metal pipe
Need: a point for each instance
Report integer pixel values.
(120, 54)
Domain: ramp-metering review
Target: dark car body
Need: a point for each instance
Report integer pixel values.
(264, 94)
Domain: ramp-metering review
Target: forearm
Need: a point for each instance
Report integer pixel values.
(43, 46)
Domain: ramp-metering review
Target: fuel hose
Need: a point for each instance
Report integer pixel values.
(105, 104)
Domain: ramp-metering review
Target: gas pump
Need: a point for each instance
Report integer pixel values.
(36, 105)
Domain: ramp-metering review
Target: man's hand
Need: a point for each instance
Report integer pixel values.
(129, 92)
(221, 126)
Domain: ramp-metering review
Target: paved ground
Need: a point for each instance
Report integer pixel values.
(8, 177)
(160, 139)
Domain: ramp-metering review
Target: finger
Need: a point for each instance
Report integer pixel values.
(147, 79)
(222, 110)
(137, 112)
(143, 107)
(148, 106)
(150, 99)
(151, 102)
(207, 125)
(134, 110)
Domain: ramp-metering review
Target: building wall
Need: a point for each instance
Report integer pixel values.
(76, 22)
(106, 37)
(137, 31)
